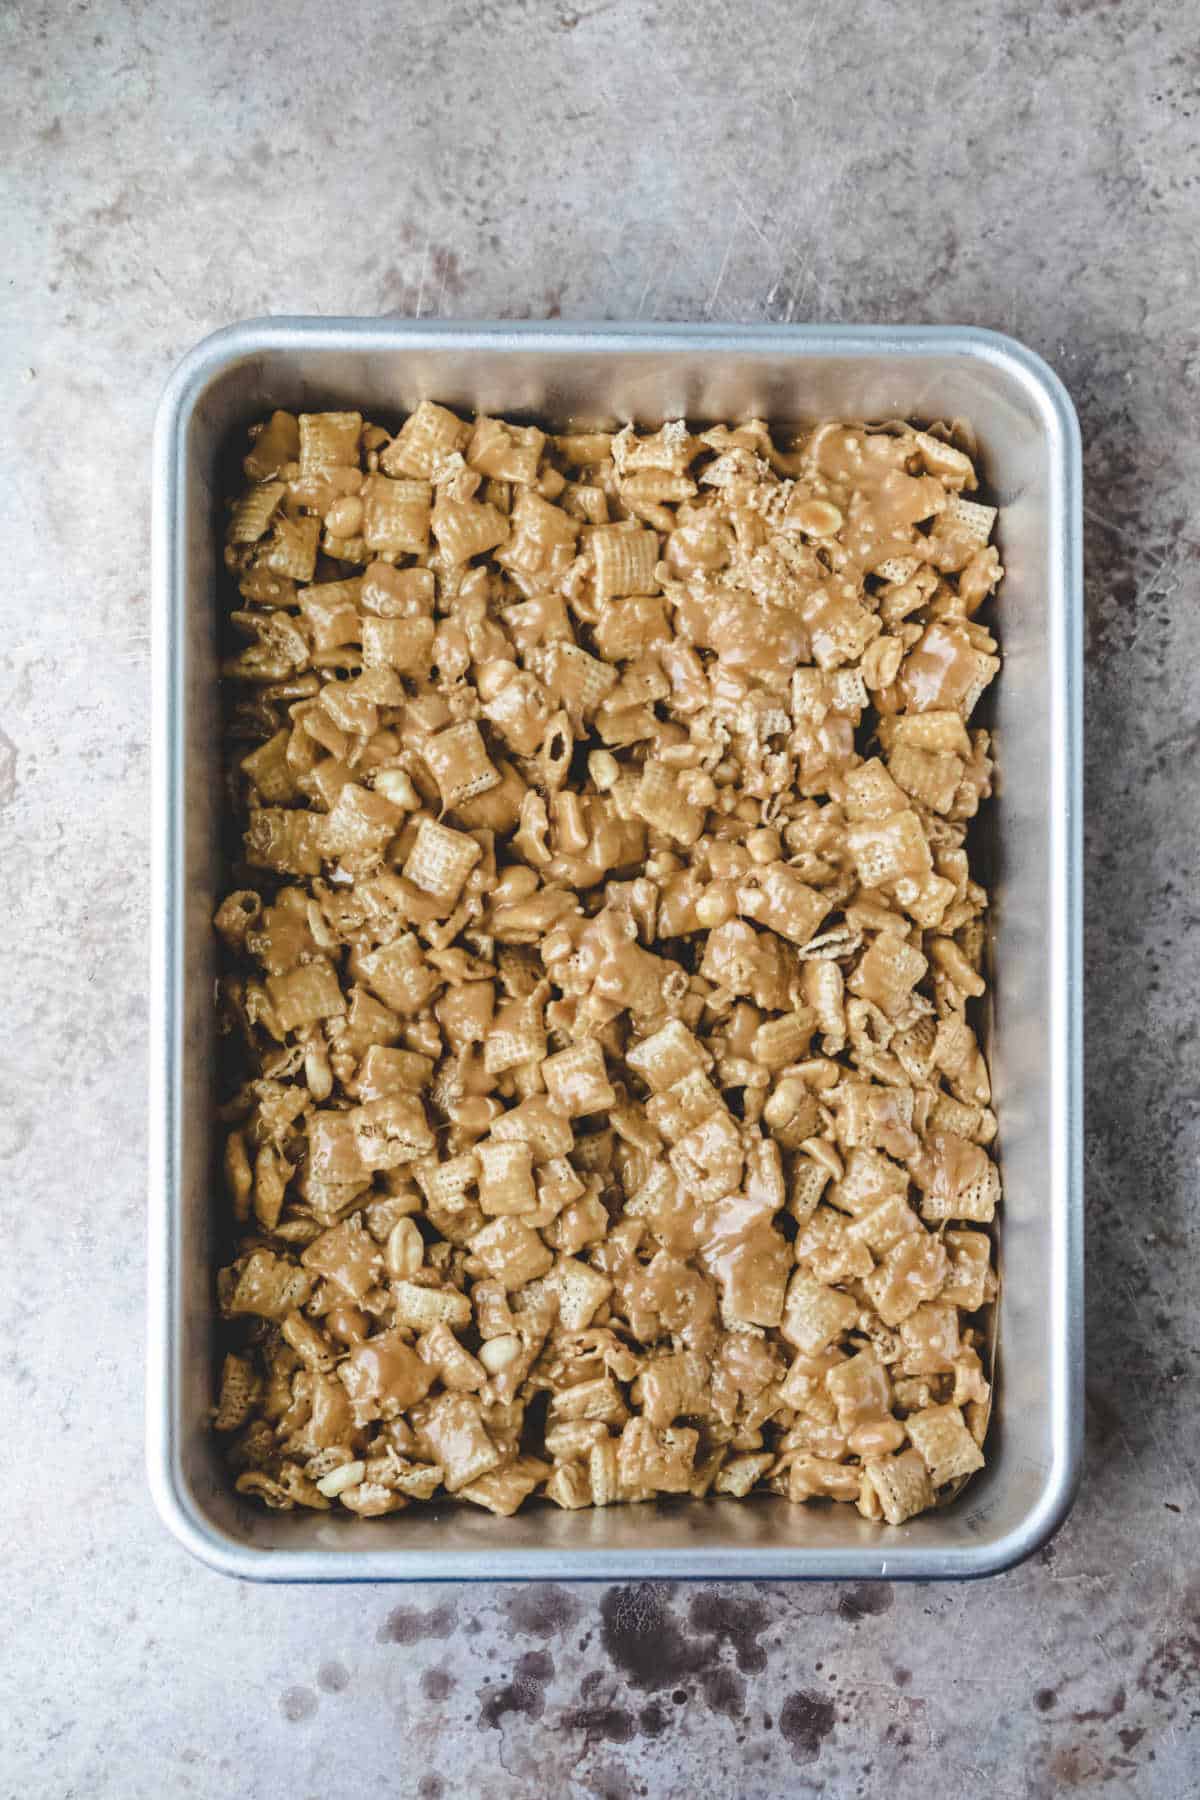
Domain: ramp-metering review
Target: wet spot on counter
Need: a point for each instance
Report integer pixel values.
(901, 1676)
(409, 1625)
(333, 1677)
(437, 1684)
(736, 1622)
(642, 1637)
(805, 1722)
(613, 1784)
(679, 1696)
(523, 1694)
(543, 1612)
(611, 1723)
(535, 1665)
(1045, 1699)
(296, 1703)
(865, 1600)
(725, 1692)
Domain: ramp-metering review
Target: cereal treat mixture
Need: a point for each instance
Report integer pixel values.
(604, 1114)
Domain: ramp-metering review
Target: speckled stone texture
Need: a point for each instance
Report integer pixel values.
(167, 169)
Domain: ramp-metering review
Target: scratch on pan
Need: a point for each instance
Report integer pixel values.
(712, 299)
(424, 270)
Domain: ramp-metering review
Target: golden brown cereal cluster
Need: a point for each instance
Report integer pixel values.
(606, 1118)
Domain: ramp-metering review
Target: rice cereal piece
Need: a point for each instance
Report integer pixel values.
(570, 1487)
(283, 840)
(581, 1292)
(887, 973)
(516, 1036)
(440, 861)
(580, 682)
(506, 1178)
(911, 1272)
(240, 1390)
(667, 1055)
(405, 645)
(306, 994)
(944, 670)
(888, 850)
(459, 762)
(660, 802)
(625, 558)
(466, 528)
(604, 1479)
(398, 974)
(346, 1255)
(577, 1080)
(457, 1369)
(947, 1448)
(269, 1286)
(392, 1131)
(899, 1484)
(661, 1460)
(815, 1315)
(738, 1474)
(970, 1283)
(424, 441)
(277, 443)
(292, 548)
(254, 512)
(455, 1429)
(506, 452)
(421, 1308)
(511, 1252)
(598, 1399)
(502, 1491)
(328, 440)
(396, 516)
(964, 1182)
(539, 1124)
(359, 821)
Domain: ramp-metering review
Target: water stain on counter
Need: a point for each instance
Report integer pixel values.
(297, 1704)
(543, 1612)
(409, 1625)
(437, 1684)
(805, 1722)
(645, 1641)
(524, 1694)
(611, 1723)
(865, 1600)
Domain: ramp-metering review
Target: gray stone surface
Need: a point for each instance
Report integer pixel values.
(169, 168)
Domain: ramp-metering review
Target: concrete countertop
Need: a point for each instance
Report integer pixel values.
(168, 169)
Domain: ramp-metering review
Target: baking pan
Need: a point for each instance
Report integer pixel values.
(1029, 439)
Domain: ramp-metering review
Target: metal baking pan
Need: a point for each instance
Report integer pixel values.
(1031, 465)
